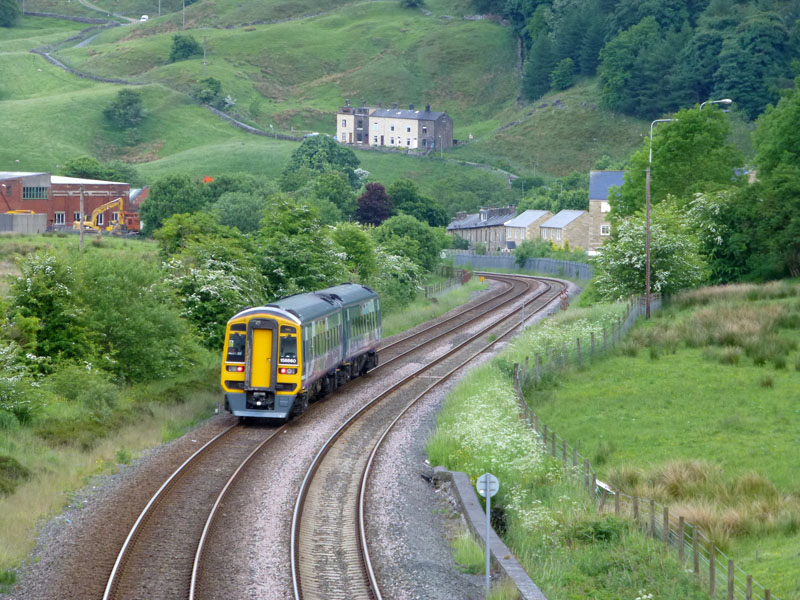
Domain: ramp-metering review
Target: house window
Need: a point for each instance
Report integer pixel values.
(408, 129)
(76, 216)
(100, 219)
(115, 217)
(34, 193)
(424, 130)
(408, 142)
(391, 128)
(59, 218)
(558, 234)
(375, 139)
(544, 234)
(360, 124)
(391, 140)
(344, 122)
(605, 207)
(605, 229)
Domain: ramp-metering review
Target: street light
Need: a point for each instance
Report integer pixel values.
(647, 222)
(725, 101)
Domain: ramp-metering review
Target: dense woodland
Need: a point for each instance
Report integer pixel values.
(657, 56)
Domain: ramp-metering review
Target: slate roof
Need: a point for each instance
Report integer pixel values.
(526, 218)
(397, 113)
(473, 221)
(601, 181)
(563, 218)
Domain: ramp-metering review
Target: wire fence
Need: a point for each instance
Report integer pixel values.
(455, 277)
(714, 570)
(505, 260)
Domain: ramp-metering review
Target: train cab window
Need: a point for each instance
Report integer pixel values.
(236, 343)
(289, 350)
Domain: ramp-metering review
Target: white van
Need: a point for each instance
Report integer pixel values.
(144, 18)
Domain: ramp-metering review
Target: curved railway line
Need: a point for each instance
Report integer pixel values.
(330, 550)
(164, 552)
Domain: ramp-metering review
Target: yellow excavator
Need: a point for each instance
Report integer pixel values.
(126, 222)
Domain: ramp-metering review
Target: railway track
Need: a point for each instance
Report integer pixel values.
(161, 551)
(165, 552)
(329, 546)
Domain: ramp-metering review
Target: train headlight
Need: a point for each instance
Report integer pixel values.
(285, 371)
(235, 368)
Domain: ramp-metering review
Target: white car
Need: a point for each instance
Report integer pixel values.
(144, 18)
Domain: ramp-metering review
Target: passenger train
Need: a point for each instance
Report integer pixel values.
(279, 357)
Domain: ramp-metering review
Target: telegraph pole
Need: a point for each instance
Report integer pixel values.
(81, 218)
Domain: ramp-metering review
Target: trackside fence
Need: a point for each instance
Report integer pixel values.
(714, 570)
(505, 260)
(455, 278)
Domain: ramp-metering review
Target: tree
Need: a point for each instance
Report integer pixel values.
(406, 199)
(184, 46)
(126, 110)
(358, 248)
(320, 154)
(563, 76)
(412, 238)
(691, 154)
(335, 188)
(208, 91)
(297, 253)
(9, 13)
(459, 243)
(374, 205)
(90, 168)
(540, 63)
(777, 136)
(676, 263)
(169, 195)
(239, 209)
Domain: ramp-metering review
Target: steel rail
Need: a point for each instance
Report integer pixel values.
(502, 304)
(368, 467)
(294, 550)
(113, 579)
(213, 513)
(452, 317)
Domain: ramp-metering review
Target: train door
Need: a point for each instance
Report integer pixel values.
(262, 354)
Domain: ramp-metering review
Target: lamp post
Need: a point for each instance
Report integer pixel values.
(725, 101)
(647, 222)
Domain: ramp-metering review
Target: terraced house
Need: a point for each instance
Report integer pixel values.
(394, 128)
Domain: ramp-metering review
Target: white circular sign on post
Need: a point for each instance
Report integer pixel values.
(490, 481)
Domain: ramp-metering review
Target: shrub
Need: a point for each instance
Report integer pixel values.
(126, 110)
(183, 47)
(91, 388)
(12, 473)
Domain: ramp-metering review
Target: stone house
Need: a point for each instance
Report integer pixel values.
(487, 226)
(568, 225)
(394, 128)
(525, 226)
(600, 183)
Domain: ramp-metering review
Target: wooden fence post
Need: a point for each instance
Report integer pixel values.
(579, 351)
(712, 570)
(574, 457)
(564, 452)
(695, 551)
(652, 517)
(681, 537)
(636, 509)
(554, 445)
(767, 595)
(616, 502)
(730, 579)
(665, 527)
(544, 436)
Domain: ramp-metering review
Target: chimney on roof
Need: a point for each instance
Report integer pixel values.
(410, 107)
(347, 102)
(427, 108)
